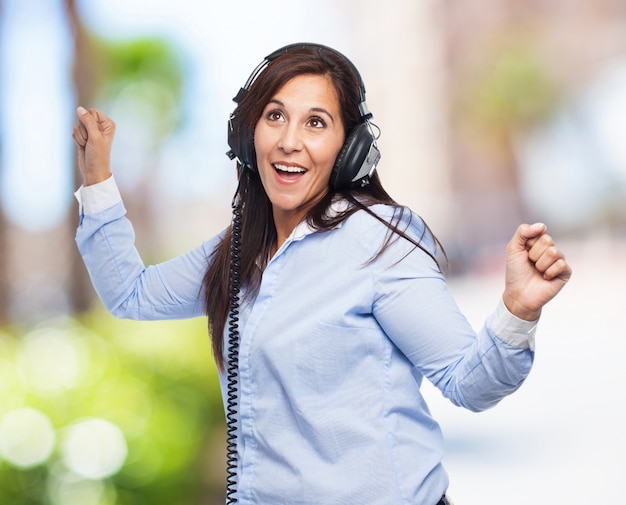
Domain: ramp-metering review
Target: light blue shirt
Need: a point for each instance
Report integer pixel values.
(332, 354)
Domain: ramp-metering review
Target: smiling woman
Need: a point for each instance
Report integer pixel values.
(326, 300)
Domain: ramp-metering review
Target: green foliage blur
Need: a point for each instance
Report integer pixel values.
(513, 88)
(155, 382)
(140, 78)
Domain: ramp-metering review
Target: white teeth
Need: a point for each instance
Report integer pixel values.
(285, 168)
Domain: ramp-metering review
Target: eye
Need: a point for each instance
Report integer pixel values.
(274, 115)
(316, 122)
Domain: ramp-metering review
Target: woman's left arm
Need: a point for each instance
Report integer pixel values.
(474, 370)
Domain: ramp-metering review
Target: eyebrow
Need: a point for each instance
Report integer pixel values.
(313, 109)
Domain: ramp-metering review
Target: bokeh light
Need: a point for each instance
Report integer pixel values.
(49, 360)
(66, 487)
(85, 492)
(94, 448)
(27, 437)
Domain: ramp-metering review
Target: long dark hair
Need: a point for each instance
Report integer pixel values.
(258, 231)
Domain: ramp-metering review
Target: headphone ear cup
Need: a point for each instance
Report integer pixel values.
(242, 144)
(250, 151)
(351, 157)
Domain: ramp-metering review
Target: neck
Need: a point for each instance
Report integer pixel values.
(285, 222)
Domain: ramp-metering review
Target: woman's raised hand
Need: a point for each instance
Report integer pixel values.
(536, 270)
(94, 137)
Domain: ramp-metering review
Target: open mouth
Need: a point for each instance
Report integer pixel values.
(289, 172)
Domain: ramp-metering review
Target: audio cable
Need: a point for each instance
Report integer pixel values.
(233, 352)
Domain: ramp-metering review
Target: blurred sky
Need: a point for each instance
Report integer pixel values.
(35, 98)
(574, 166)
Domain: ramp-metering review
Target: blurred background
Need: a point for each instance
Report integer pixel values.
(491, 113)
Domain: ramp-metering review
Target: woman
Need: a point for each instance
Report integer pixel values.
(343, 308)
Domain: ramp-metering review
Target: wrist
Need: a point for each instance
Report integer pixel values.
(519, 310)
(91, 179)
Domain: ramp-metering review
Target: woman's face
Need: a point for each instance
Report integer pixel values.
(297, 140)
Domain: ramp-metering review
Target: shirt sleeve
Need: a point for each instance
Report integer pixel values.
(417, 311)
(126, 287)
(513, 330)
(97, 197)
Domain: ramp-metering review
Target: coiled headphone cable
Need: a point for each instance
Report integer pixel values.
(233, 352)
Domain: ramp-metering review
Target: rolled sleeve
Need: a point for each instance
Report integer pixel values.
(513, 330)
(97, 197)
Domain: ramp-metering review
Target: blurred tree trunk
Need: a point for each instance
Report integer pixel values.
(84, 76)
(4, 271)
(4, 277)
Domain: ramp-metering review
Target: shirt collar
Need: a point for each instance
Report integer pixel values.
(304, 228)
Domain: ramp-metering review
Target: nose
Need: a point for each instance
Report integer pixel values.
(290, 139)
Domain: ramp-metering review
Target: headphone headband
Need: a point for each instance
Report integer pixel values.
(363, 110)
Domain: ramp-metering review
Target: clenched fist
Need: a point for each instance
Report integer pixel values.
(94, 137)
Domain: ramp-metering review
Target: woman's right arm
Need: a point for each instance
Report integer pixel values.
(127, 288)
(105, 238)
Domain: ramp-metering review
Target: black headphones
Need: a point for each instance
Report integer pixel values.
(359, 155)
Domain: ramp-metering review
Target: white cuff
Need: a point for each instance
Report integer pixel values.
(97, 197)
(513, 330)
